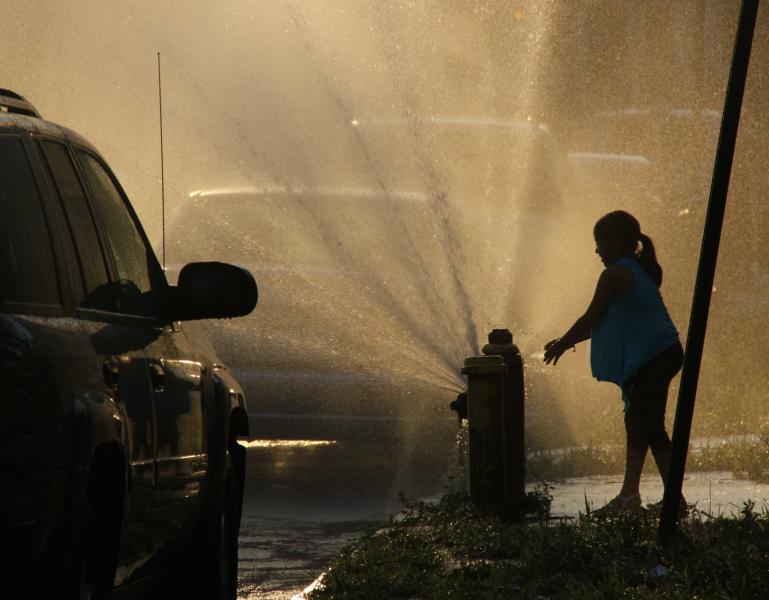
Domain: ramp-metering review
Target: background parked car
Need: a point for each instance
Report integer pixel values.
(325, 358)
(119, 466)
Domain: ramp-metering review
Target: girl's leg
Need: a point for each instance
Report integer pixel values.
(645, 418)
(659, 441)
(663, 464)
(635, 455)
(634, 464)
(635, 452)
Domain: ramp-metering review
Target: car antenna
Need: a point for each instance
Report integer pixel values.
(162, 173)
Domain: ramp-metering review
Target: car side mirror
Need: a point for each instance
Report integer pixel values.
(212, 290)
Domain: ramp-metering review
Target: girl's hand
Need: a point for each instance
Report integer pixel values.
(553, 350)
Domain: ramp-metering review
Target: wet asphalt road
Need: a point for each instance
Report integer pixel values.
(303, 502)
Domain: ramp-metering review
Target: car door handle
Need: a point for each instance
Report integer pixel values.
(110, 373)
(157, 376)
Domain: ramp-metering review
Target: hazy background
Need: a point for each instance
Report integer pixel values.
(512, 126)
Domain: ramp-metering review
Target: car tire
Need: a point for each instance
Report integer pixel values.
(90, 575)
(221, 568)
(229, 524)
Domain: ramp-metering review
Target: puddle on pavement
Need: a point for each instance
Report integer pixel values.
(716, 493)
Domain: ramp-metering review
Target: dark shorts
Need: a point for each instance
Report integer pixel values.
(648, 395)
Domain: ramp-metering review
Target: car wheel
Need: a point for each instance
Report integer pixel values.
(90, 576)
(229, 524)
(221, 571)
(228, 537)
(217, 574)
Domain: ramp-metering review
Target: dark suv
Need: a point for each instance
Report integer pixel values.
(120, 472)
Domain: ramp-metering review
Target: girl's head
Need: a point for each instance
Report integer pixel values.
(618, 235)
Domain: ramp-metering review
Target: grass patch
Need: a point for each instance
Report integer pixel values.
(453, 549)
(589, 461)
(745, 458)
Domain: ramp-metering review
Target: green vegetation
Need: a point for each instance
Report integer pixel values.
(455, 550)
(575, 462)
(745, 458)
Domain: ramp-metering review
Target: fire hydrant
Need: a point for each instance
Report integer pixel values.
(513, 417)
(485, 446)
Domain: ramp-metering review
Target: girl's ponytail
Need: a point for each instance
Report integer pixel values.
(648, 259)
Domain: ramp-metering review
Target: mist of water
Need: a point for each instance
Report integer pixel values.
(420, 173)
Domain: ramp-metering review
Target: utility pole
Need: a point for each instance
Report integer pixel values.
(707, 267)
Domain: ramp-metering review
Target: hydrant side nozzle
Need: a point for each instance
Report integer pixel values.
(460, 406)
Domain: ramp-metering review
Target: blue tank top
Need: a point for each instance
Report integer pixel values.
(635, 329)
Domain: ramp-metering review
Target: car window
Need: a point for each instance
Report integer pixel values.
(27, 268)
(134, 261)
(98, 293)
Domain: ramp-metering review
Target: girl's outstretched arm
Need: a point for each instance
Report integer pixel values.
(615, 279)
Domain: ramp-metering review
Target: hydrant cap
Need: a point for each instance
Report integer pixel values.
(500, 336)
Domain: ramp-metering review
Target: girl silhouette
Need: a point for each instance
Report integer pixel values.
(633, 344)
